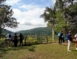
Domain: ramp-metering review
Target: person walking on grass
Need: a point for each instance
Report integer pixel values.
(75, 41)
(69, 40)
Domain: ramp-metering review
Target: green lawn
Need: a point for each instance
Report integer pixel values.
(41, 51)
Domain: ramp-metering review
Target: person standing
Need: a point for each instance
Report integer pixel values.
(21, 39)
(60, 34)
(75, 41)
(15, 40)
(69, 40)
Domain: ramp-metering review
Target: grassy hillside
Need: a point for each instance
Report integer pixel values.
(37, 31)
(41, 51)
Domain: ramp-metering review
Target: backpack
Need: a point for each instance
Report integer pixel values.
(66, 37)
(9, 35)
(59, 34)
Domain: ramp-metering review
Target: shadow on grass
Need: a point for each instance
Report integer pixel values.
(4, 50)
(74, 50)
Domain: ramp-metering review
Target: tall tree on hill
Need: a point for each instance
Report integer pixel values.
(6, 18)
(49, 16)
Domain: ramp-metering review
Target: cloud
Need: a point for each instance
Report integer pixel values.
(12, 2)
(28, 6)
(30, 16)
(53, 1)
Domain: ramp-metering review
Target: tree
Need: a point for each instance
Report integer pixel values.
(64, 15)
(49, 16)
(2, 1)
(69, 12)
(61, 23)
(59, 5)
(71, 16)
(6, 18)
(69, 1)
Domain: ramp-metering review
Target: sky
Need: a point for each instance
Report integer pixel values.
(27, 13)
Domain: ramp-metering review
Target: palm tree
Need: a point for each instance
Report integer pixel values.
(49, 16)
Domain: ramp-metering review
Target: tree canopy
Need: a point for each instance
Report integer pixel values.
(65, 15)
(6, 18)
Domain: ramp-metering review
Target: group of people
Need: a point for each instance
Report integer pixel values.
(15, 38)
(69, 37)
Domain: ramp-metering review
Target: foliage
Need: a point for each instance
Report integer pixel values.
(6, 18)
(2, 1)
(49, 15)
(66, 15)
(61, 23)
(63, 15)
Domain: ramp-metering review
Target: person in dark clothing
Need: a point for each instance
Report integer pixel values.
(15, 40)
(21, 39)
(61, 38)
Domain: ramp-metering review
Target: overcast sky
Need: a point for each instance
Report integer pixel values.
(27, 13)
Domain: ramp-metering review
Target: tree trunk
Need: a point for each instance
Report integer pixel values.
(47, 38)
(52, 34)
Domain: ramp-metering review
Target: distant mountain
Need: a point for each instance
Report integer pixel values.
(37, 31)
(5, 31)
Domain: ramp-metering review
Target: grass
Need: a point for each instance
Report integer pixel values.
(41, 51)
